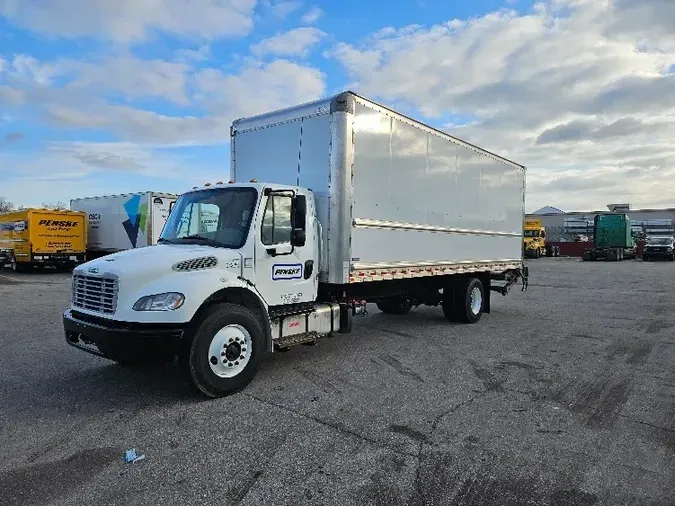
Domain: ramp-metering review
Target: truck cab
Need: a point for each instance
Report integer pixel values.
(534, 239)
(219, 281)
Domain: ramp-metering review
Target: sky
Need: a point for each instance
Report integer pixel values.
(101, 97)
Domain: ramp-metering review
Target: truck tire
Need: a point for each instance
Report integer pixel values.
(645, 258)
(465, 303)
(395, 305)
(671, 257)
(226, 350)
(16, 266)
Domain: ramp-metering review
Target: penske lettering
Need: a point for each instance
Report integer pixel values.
(57, 223)
(289, 272)
(285, 271)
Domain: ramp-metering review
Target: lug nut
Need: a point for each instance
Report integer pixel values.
(231, 339)
(243, 349)
(214, 360)
(236, 363)
(230, 364)
(222, 353)
(241, 358)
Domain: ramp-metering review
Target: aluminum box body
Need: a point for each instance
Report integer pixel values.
(395, 197)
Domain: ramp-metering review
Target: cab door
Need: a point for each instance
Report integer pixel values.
(287, 248)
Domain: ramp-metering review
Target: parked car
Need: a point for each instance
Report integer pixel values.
(659, 247)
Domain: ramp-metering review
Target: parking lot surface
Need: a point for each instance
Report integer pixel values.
(564, 394)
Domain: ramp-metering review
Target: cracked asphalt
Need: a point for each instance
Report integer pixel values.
(564, 395)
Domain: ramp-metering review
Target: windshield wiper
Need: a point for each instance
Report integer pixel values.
(201, 238)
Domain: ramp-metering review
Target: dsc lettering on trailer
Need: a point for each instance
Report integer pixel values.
(286, 271)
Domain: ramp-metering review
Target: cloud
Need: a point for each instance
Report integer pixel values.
(283, 9)
(295, 42)
(568, 86)
(203, 53)
(133, 78)
(132, 20)
(312, 15)
(216, 97)
(281, 83)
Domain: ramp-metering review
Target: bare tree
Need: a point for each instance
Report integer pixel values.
(56, 206)
(5, 206)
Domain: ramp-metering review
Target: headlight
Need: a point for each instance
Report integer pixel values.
(160, 302)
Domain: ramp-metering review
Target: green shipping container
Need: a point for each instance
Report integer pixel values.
(613, 231)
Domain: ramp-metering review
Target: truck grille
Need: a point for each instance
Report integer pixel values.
(95, 293)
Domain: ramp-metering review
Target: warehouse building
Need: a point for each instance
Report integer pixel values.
(562, 226)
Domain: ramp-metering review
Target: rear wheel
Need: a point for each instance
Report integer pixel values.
(400, 305)
(226, 350)
(464, 301)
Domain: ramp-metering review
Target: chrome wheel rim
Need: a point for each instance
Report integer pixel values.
(476, 300)
(230, 351)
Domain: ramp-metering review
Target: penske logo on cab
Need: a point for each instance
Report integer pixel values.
(286, 271)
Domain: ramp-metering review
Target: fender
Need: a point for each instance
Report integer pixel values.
(242, 295)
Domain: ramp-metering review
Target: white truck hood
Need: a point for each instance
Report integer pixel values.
(151, 259)
(151, 270)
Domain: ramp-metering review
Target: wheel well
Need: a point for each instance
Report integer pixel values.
(245, 298)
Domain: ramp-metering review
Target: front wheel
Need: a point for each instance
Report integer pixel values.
(17, 267)
(645, 258)
(671, 257)
(226, 350)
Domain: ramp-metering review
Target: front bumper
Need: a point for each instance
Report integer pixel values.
(58, 259)
(90, 334)
(657, 253)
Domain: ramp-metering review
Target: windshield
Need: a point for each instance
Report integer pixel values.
(663, 241)
(219, 217)
(531, 233)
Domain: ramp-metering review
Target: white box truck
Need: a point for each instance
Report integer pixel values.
(122, 222)
(330, 205)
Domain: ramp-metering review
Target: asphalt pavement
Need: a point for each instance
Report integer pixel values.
(563, 395)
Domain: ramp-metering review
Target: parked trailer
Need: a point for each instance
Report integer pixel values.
(122, 222)
(42, 238)
(331, 204)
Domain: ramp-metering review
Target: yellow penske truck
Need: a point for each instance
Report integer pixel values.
(535, 244)
(41, 237)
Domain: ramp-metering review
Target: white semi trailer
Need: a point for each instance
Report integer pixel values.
(121, 222)
(330, 204)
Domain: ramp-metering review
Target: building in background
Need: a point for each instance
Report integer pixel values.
(562, 226)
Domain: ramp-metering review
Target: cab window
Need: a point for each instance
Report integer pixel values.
(276, 222)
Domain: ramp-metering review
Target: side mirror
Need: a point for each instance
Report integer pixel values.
(298, 238)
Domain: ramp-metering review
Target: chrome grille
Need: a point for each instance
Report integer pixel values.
(95, 293)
